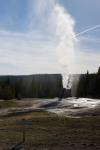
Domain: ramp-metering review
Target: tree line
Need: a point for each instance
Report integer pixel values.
(89, 85)
(33, 86)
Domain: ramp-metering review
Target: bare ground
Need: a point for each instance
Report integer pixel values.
(50, 132)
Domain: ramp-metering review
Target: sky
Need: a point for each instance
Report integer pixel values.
(41, 36)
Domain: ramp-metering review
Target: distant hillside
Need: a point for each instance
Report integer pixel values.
(30, 86)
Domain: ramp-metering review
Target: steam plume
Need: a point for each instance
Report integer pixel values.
(59, 24)
(66, 44)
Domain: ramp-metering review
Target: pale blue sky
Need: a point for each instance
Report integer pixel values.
(86, 12)
(14, 14)
(28, 35)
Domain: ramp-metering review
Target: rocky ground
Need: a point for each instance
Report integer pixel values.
(69, 107)
(70, 124)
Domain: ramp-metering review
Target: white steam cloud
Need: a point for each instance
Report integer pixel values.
(65, 32)
(59, 25)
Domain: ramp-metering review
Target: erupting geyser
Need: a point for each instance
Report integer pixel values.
(66, 45)
(58, 25)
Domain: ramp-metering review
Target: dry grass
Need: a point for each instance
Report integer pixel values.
(49, 132)
(8, 104)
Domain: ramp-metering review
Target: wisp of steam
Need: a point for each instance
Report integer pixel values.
(66, 45)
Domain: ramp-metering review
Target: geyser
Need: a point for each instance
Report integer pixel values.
(58, 25)
(66, 45)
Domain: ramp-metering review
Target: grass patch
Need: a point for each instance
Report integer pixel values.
(8, 104)
(51, 132)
